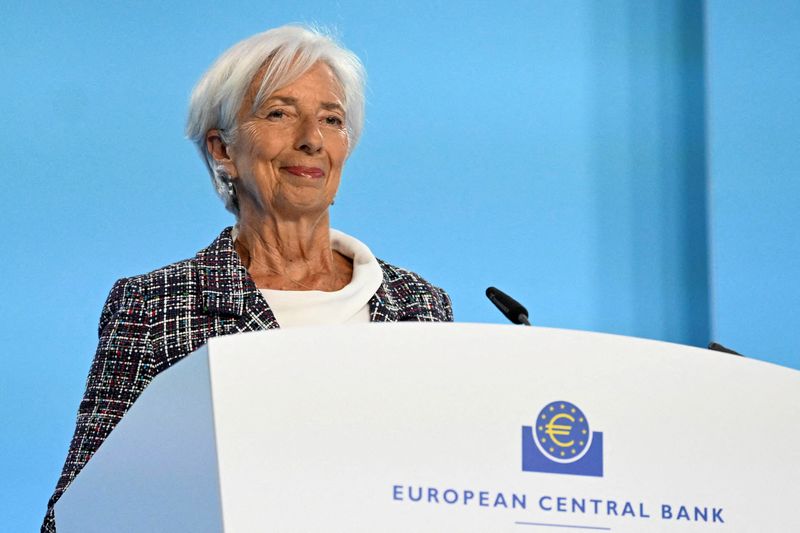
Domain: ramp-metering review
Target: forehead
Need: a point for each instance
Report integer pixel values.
(319, 80)
(317, 84)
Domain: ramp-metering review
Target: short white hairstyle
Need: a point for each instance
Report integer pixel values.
(287, 53)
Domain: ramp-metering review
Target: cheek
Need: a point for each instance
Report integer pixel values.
(338, 149)
(257, 145)
(253, 158)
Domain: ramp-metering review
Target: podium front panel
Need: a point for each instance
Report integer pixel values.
(475, 428)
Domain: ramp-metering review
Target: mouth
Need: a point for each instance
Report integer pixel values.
(305, 172)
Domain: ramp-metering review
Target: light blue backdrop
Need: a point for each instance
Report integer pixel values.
(754, 156)
(555, 149)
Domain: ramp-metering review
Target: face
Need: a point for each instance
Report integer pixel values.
(288, 155)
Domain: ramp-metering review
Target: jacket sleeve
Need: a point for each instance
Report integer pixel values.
(122, 368)
(447, 305)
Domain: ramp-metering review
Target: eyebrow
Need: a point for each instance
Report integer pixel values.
(288, 100)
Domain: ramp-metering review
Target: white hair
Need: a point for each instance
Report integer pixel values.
(287, 53)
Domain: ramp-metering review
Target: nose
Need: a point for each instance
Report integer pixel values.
(309, 136)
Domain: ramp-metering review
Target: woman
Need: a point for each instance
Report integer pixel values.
(275, 119)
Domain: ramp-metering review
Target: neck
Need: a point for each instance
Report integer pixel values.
(291, 255)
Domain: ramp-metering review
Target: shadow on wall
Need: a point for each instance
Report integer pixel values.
(649, 154)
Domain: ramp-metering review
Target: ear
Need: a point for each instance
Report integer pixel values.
(219, 151)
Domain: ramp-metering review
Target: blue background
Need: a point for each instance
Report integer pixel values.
(618, 166)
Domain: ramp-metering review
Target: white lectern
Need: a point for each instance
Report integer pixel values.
(449, 428)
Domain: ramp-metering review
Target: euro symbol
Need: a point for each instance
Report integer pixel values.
(554, 429)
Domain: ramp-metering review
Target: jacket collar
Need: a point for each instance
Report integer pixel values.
(383, 306)
(224, 281)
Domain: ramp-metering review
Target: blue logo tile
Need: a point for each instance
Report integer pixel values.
(561, 442)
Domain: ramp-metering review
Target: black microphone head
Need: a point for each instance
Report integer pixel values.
(717, 347)
(512, 309)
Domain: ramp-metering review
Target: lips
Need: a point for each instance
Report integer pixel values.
(305, 172)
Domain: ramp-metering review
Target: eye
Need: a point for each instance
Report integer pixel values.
(276, 114)
(333, 120)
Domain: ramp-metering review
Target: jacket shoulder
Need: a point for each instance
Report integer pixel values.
(169, 277)
(179, 278)
(417, 298)
(215, 268)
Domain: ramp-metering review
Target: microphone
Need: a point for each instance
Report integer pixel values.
(512, 309)
(717, 347)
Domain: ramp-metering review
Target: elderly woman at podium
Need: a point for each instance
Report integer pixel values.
(274, 118)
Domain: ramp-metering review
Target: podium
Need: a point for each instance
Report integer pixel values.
(448, 428)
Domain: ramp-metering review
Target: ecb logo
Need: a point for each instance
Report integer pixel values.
(561, 442)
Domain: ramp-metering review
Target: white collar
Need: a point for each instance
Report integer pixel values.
(295, 308)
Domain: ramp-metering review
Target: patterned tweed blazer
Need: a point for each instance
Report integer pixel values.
(150, 322)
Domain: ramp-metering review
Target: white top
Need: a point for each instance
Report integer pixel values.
(350, 304)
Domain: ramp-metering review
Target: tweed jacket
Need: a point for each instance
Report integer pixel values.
(150, 322)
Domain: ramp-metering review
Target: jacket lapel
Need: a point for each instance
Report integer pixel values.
(383, 307)
(227, 288)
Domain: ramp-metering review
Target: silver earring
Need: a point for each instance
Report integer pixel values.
(232, 192)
